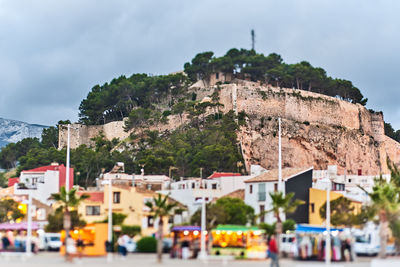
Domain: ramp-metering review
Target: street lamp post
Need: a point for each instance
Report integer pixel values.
(30, 207)
(68, 159)
(29, 228)
(110, 221)
(328, 225)
(170, 170)
(280, 158)
(203, 253)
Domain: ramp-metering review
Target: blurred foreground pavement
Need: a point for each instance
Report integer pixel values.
(54, 259)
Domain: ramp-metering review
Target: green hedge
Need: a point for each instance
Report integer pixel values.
(147, 244)
(130, 230)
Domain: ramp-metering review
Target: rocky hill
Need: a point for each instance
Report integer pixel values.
(317, 130)
(12, 131)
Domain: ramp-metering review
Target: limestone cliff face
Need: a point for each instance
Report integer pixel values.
(317, 130)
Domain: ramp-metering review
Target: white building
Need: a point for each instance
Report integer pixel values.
(43, 181)
(190, 191)
(349, 184)
(150, 182)
(258, 188)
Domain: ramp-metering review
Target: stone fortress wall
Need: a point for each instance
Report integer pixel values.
(317, 130)
(301, 106)
(82, 134)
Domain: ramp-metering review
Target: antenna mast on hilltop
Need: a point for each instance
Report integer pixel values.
(253, 39)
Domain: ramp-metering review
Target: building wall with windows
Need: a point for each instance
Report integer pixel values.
(257, 196)
(258, 188)
(92, 209)
(43, 182)
(126, 200)
(191, 191)
(318, 199)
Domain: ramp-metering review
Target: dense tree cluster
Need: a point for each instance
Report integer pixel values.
(208, 142)
(115, 100)
(9, 211)
(87, 161)
(389, 131)
(225, 210)
(272, 70)
(210, 145)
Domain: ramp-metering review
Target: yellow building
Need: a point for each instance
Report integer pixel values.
(126, 200)
(318, 198)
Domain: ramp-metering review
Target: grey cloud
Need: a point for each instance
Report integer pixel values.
(53, 52)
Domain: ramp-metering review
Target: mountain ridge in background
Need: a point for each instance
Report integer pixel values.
(12, 131)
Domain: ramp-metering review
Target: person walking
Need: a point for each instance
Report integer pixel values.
(273, 252)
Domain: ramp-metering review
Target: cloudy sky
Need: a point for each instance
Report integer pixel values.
(53, 52)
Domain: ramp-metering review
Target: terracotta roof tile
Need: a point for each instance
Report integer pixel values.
(236, 194)
(93, 196)
(223, 174)
(12, 181)
(272, 175)
(45, 168)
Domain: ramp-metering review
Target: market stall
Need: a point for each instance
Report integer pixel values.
(93, 236)
(239, 241)
(310, 242)
(185, 238)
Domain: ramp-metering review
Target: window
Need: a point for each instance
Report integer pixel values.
(214, 186)
(276, 187)
(92, 210)
(41, 214)
(217, 75)
(262, 210)
(117, 197)
(312, 207)
(193, 185)
(150, 221)
(251, 189)
(349, 180)
(261, 192)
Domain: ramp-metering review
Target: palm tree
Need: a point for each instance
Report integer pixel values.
(160, 208)
(282, 203)
(385, 203)
(68, 201)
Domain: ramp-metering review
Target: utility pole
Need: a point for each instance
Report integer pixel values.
(110, 220)
(328, 225)
(203, 252)
(68, 159)
(253, 39)
(280, 158)
(29, 230)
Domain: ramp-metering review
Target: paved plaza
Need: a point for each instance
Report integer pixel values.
(54, 259)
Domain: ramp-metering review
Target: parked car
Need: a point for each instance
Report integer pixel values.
(167, 245)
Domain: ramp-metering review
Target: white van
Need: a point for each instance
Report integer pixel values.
(367, 242)
(50, 241)
(287, 244)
